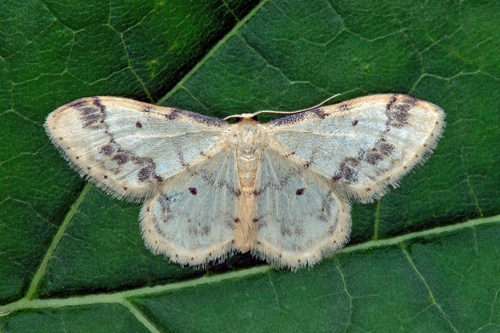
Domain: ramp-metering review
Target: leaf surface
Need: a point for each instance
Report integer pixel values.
(425, 257)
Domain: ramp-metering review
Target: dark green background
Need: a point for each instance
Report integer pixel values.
(400, 271)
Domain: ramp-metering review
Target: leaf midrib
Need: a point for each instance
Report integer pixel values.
(123, 296)
(210, 53)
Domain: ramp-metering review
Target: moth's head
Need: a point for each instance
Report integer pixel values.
(243, 119)
(243, 116)
(248, 118)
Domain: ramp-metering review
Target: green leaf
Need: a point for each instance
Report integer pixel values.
(423, 258)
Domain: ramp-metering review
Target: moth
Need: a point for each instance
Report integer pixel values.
(281, 190)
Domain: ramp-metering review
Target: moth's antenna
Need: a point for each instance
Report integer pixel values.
(290, 112)
(250, 115)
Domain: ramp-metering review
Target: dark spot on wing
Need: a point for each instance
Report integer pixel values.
(78, 104)
(237, 220)
(173, 114)
(300, 191)
(381, 150)
(88, 110)
(138, 125)
(299, 230)
(159, 231)
(148, 169)
(193, 230)
(411, 100)
(344, 107)
(354, 123)
(144, 174)
(163, 200)
(102, 108)
(391, 103)
(326, 205)
(255, 220)
(291, 119)
(373, 158)
(402, 113)
(384, 147)
(202, 119)
(120, 158)
(107, 150)
(285, 231)
(322, 217)
(205, 230)
(398, 112)
(331, 230)
(193, 191)
(97, 102)
(296, 117)
(181, 159)
(319, 112)
(91, 116)
(347, 170)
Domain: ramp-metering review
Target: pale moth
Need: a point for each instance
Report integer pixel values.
(280, 190)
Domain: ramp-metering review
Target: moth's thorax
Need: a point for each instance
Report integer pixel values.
(247, 138)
